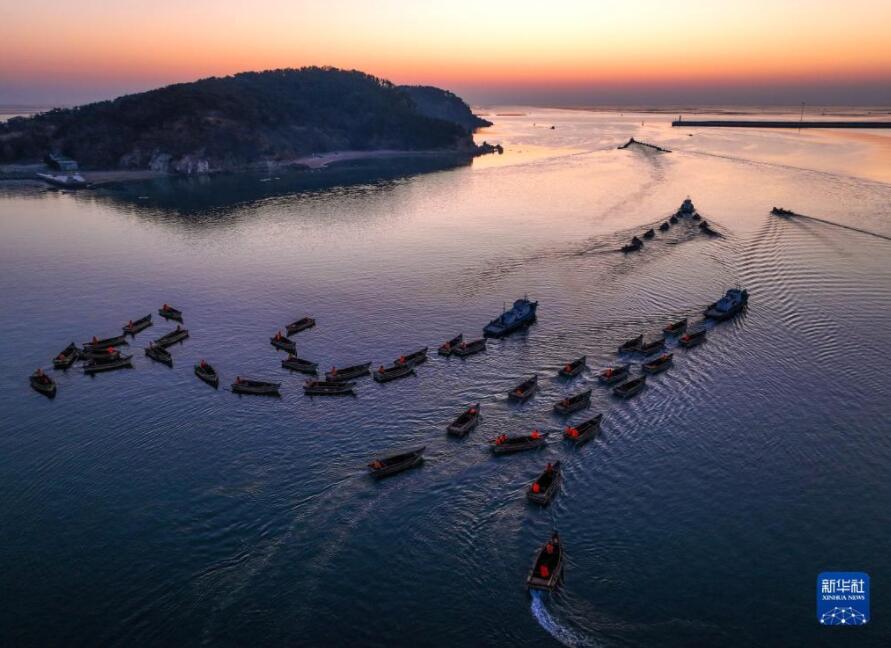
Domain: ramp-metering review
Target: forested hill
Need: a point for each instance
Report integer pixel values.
(245, 119)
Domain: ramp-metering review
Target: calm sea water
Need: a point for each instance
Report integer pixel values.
(143, 507)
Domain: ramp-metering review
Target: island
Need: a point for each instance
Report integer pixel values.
(305, 118)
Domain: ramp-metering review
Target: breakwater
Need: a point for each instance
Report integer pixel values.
(754, 123)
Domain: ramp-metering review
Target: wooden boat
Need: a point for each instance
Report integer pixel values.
(574, 403)
(631, 345)
(574, 368)
(779, 211)
(545, 487)
(328, 388)
(664, 227)
(547, 568)
(583, 432)
(135, 326)
(520, 315)
(673, 220)
(43, 383)
(255, 387)
(96, 366)
(692, 338)
(386, 466)
(525, 390)
(169, 339)
(658, 365)
(612, 375)
(171, 313)
(279, 341)
(631, 247)
(67, 357)
(294, 363)
(300, 325)
(649, 348)
(159, 354)
(416, 358)
(386, 374)
(207, 373)
(696, 216)
(104, 343)
(676, 327)
(649, 233)
(466, 421)
(100, 355)
(503, 444)
(446, 348)
(347, 373)
(630, 388)
(470, 348)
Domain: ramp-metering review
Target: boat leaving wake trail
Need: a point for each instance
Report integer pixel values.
(566, 636)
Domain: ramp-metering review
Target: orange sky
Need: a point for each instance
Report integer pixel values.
(99, 48)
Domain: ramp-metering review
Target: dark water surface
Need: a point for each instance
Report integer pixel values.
(143, 507)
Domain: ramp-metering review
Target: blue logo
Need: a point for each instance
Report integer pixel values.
(843, 598)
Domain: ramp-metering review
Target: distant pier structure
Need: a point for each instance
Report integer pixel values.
(777, 123)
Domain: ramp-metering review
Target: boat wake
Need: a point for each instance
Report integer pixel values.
(565, 635)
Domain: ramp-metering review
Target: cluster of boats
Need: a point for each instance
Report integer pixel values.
(686, 210)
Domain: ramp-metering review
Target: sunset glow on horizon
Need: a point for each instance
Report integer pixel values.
(562, 52)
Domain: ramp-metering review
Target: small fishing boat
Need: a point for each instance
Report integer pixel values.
(664, 227)
(169, 312)
(159, 354)
(135, 326)
(328, 388)
(386, 466)
(779, 211)
(692, 338)
(574, 403)
(525, 390)
(631, 345)
(584, 431)
(98, 366)
(651, 347)
(64, 181)
(207, 373)
(612, 375)
(686, 208)
(630, 388)
(300, 325)
(673, 220)
(43, 383)
(465, 422)
(386, 374)
(504, 444)
(696, 216)
(545, 487)
(416, 358)
(547, 568)
(169, 339)
(347, 373)
(636, 241)
(631, 247)
(649, 233)
(658, 365)
(574, 368)
(521, 315)
(255, 387)
(104, 343)
(294, 363)
(446, 348)
(676, 327)
(279, 341)
(67, 357)
(733, 301)
(100, 355)
(473, 347)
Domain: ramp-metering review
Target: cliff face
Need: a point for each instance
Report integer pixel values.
(442, 104)
(246, 119)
